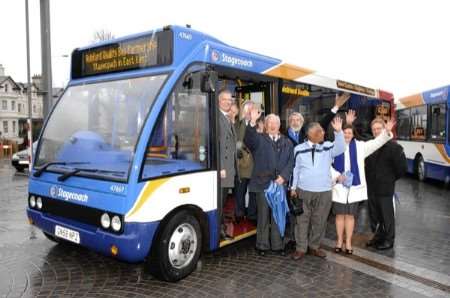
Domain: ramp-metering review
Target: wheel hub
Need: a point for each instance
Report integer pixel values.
(182, 245)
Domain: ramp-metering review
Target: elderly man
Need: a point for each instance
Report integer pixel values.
(383, 169)
(294, 132)
(273, 160)
(312, 182)
(227, 139)
(245, 166)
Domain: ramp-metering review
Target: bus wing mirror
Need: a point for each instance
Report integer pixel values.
(208, 81)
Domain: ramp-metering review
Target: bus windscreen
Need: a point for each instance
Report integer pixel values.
(138, 53)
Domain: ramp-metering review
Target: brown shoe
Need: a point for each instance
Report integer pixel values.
(318, 253)
(297, 255)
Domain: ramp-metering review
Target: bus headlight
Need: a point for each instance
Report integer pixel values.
(39, 203)
(32, 201)
(105, 221)
(116, 224)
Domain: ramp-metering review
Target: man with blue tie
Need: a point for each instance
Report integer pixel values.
(312, 182)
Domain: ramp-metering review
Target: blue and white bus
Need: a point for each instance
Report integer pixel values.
(127, 161)
(423, 129)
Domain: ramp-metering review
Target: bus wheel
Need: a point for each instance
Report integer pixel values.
(177, 248)
(420, 168)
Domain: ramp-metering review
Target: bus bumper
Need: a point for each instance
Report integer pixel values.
(133, 245)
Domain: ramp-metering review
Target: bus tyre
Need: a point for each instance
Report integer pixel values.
(420, 168)
(177, 248)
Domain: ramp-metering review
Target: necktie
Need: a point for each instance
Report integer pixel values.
(312, 152)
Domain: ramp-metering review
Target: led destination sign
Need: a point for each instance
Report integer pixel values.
(138, 53)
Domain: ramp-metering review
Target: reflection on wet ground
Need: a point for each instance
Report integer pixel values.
(419, 266)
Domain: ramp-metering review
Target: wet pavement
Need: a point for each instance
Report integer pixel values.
(419, 266)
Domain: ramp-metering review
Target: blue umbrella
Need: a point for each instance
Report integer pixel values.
(276, 199)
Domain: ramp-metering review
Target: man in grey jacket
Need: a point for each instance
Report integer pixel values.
(227, 139)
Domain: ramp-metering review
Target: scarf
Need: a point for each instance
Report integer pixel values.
(339, 163)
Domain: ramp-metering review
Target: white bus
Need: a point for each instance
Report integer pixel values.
(423, 131)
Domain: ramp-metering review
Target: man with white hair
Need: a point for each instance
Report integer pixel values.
(273, 157)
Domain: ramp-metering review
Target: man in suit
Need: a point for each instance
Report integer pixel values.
(273, 160)
(383, 168)
(245, 166)
(227, 144)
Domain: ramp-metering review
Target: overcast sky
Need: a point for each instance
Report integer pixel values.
(399, 46)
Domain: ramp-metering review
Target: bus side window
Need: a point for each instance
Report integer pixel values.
(180, 139)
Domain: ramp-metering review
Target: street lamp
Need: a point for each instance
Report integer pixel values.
(30, 129)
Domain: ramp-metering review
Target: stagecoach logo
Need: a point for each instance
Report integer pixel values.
(230, 60)
(59, 192)
(214, 56)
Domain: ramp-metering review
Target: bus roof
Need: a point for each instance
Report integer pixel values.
(437, 95)
(190, 45)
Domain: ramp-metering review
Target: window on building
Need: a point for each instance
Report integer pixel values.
(6, 87)
(418, 123)
(4, 105)
(437, 131)
(19, 107)
(5, 126)
(34, 108)
(404, 124)
(14, 126)
(13, 105)
(180, 140)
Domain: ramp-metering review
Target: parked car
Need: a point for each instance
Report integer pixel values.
(20, 160)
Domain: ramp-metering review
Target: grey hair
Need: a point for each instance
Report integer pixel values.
(311, 126)
(224, 91)
(272, 116)
(296, 114)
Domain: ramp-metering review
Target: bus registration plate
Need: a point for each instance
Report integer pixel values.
(67, 234)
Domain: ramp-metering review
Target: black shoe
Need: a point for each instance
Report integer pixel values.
(384, 245)
(261, 252)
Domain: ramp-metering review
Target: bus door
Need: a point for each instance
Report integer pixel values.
(243, 87)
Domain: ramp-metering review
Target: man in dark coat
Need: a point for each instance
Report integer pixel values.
(383, 168)
(273, 157)
(227, 144)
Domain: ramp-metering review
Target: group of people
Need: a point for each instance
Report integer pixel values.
(321, 174)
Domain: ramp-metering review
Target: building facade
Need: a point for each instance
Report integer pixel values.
(14, 107)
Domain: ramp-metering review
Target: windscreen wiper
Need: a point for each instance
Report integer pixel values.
(39, 172)
(77, 170)
(65, 176)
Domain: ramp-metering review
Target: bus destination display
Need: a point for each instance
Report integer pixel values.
(139, 53)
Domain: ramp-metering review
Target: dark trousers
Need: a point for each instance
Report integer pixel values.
(267, 234)
(241, 190)
(382, 220)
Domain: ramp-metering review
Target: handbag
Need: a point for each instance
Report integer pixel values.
(295, 204)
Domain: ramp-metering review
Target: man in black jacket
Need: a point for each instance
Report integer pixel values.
(383, 168)
(273, 157)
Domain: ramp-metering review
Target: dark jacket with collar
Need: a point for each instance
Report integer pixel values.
(270, 158)
(383, 168)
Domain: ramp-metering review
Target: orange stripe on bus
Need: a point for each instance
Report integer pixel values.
(288, 71)
(441, 149)
(412, 100)
(149, 189)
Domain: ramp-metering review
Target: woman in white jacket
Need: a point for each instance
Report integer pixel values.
(346, 197)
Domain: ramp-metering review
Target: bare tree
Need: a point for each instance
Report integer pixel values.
(101, 35)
